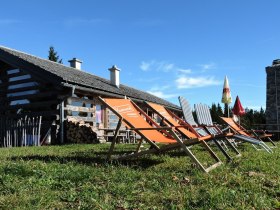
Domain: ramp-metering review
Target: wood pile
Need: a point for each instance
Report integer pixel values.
(78, 131)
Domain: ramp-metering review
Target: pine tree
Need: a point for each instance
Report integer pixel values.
(219, 110)
(53, 55)
(226, 111)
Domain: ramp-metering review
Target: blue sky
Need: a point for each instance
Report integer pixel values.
(166, 47)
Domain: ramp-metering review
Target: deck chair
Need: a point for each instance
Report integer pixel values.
(210, 128)
(244, 135)
(161, 139)
(258, 134)
(184, 128)
(204, 118)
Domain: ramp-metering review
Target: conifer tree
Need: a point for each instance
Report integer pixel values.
(53, 56)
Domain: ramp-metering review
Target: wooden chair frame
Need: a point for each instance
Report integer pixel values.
(155, 148)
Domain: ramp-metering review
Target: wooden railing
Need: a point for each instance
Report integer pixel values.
(20, 132)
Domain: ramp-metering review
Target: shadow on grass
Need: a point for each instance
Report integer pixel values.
(98, 159)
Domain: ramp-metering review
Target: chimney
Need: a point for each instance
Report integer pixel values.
(76, 63)
(115, 76)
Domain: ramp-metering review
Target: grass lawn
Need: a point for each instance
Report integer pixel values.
(76, 176)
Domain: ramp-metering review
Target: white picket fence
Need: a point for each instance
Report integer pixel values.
(20, 132)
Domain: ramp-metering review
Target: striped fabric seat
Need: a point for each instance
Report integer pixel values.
(187, 111)
(203, 114)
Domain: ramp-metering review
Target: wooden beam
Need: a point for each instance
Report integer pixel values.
(86, 119)
(32, 96)
(61, 108)
(17, 74)
(79, 109)
(35, 105)
(22, 89)
(18, 82)
(82, 100)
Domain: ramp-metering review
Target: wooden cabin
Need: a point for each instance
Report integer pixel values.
(32, 86)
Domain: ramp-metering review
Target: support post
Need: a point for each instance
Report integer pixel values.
(61, 122)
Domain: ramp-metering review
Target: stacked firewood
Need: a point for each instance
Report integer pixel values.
(78, 131)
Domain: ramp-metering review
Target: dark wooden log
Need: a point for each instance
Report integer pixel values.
(34, 105)
(22, 89)
(17, 74)
(17, 82)
(32, 96)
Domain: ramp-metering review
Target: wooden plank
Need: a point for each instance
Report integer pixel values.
(18, 74)
(22, 89)
(79, 109)
(31, 96)
(18, 82)
(33, 114)
(35, 105)
(86, 119)
(82, 100)
(61, 107)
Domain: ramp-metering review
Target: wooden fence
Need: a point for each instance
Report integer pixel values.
(20, 132)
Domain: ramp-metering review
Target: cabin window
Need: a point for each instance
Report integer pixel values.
(98, 113)
(112, 119)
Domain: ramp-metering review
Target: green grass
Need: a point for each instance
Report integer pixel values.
(77, 176)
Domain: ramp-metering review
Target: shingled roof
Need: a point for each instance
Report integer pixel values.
(66, 76)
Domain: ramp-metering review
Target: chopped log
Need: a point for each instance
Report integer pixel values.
(78, 131)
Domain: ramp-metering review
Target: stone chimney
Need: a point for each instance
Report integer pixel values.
(76, 63)
(115, 76)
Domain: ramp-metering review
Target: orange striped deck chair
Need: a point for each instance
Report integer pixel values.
(243, 135)
(161, 139)
(258, 134)
(187, 130)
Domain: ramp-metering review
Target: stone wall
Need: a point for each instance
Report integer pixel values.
(273, 95)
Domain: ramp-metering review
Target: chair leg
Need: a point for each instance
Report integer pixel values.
(222, 150)
(232, 146)
(139, 145)
(192, 156)
(115, 138)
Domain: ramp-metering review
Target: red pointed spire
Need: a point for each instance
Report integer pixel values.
(238, 109)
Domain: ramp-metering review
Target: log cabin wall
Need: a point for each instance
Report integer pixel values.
(85, 110)
(21, 94)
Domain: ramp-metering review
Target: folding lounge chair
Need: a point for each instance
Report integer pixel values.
(184, 128)
(161, 139)
(210, 128)
(242, 135)
(204, 118)
(258, 134)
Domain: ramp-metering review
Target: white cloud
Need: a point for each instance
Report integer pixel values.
(160, 94)
(154, 65)
(160, 88)
(145, 66)
(185, 71)
(184, 82)
(207, 66)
